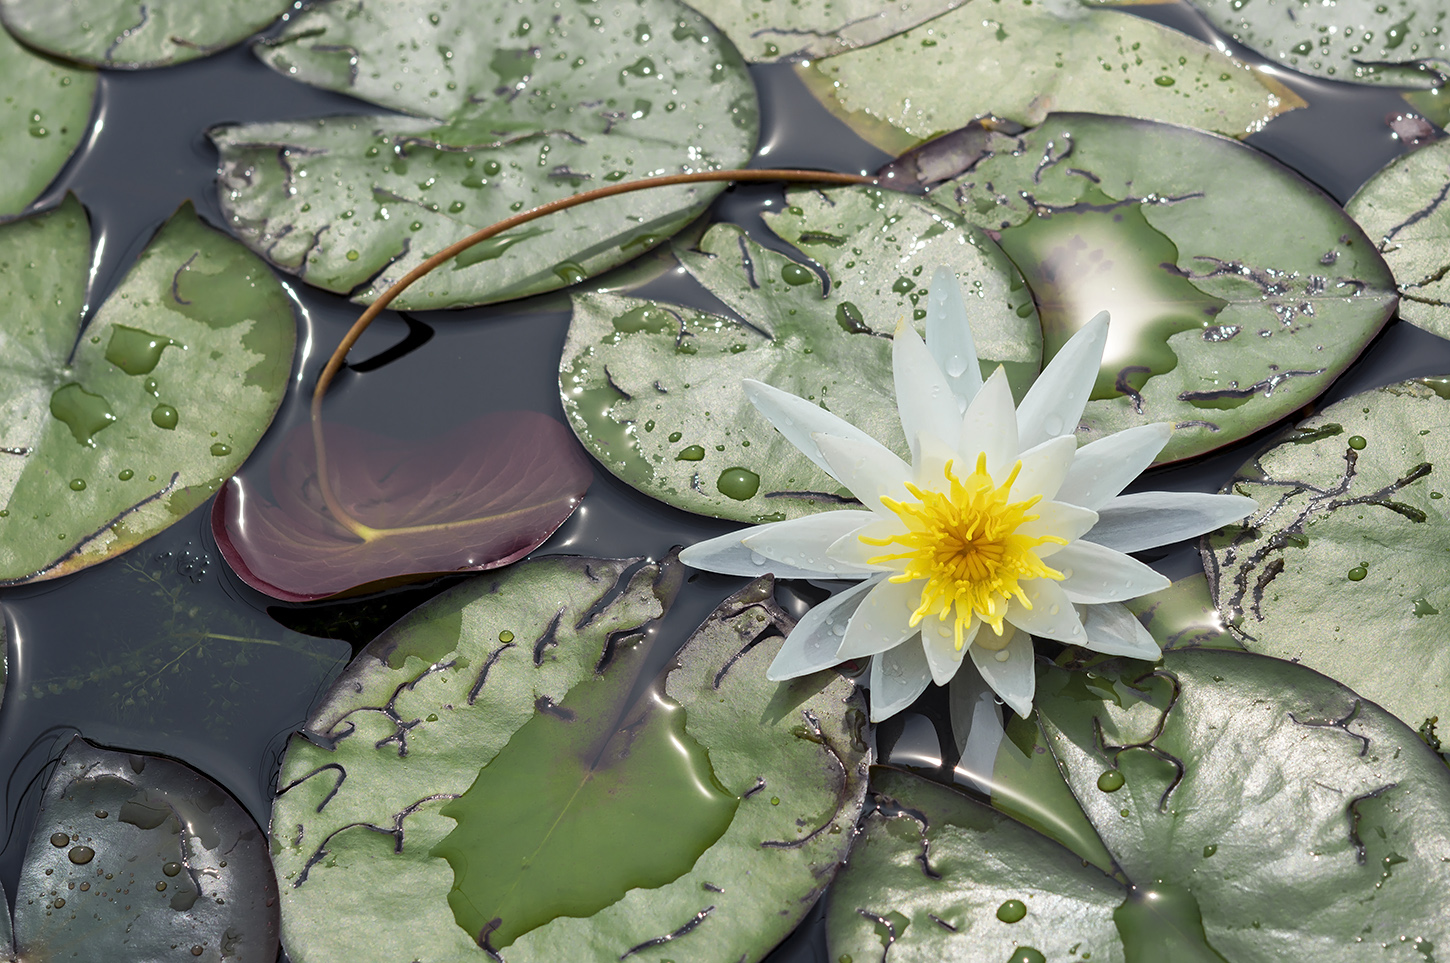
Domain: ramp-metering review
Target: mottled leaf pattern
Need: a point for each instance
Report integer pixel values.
(1343, 566)
(1226, 316)
(43, 119)
(501, 110)
(1020, 61)
(1404, 210)
(111, 432)
(1252, 807)
(137, 33)
(1397, 42)
(653, 389)
(375, 794)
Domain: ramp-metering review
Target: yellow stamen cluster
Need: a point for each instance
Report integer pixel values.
(963, 543)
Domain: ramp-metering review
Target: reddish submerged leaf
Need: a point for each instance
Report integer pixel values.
(479, 497)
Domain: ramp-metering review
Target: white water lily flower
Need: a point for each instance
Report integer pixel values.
(1000, 529)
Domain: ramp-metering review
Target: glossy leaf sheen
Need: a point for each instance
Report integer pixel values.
(1307, 823)
(1397, 42)
(507, 110)
(161, 864)
(766, 31)
(483, 495)
(654, 391)
(113, 432)
(1404, 210)
(1226, 316)
(41, 128)
(452, 732)
(1020, 61)
(153, 33)
(1345, 571)
(1183, 616)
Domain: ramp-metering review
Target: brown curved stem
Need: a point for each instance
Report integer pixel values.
(334, 363)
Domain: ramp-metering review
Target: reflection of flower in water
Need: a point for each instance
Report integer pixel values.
(1000, 528)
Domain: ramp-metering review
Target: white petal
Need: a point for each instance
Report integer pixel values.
(1112, 630)
(1131, 523)
(1106, 466)
(1044, 467)
(1052, 615)
(728, 555)
(811, 645)
(977, 726)
(924, 398)
(949, 336)
(882, 620)
(897, 678)
(803, 542)
(850, 550)
(1055, 401)
(1098, 574)
(798, 419)
(1060, 519)
(990, 426)
(1014, 678)
(939, 641)
(929, 461)
(868, 469)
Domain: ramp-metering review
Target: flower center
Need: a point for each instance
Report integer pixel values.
(964, 545)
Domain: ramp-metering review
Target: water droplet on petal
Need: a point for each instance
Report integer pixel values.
(1002, 655)
(756, 558)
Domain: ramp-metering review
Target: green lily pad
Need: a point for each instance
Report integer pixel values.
(1019, 61)
(1404, 209)
(40, 130)
(1183, 616)
(114, 431)
(766, 31)
(152, 33)
(1227, 315)
(136, 857)
(1433, 105)
(506, 111)
(1343, 566)
(1255, 811)
(653, 389)
(485, 771)
(1397, 42)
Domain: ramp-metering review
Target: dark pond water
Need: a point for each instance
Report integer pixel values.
(164, 650)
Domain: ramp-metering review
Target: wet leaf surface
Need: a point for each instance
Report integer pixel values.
(483, 495)
(1253, 809)
(498, 113)
(766, 31)
(1020, 61)
(1403, 209)
(41, 129)
(1397, 42)
(113, 432)
(136, 34)
(1183, 616)
(1227, 315)
(141, 858)
(506, 705)
(1343, 568)
(653, 389)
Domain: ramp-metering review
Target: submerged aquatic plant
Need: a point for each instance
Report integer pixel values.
(999, 529)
